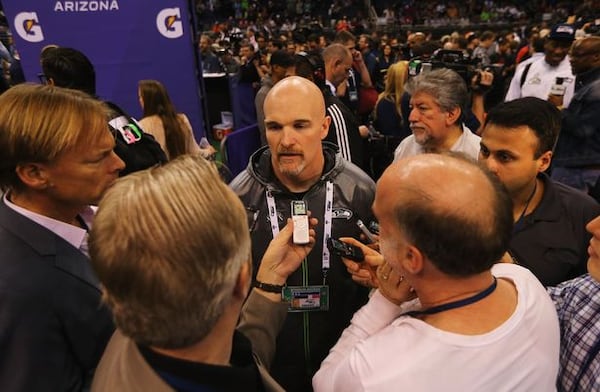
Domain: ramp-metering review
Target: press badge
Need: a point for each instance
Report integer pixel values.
(306, 298)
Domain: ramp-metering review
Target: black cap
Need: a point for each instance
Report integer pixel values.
(562, 32)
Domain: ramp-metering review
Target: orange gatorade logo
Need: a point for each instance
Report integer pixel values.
(168, 23)
(28, 27)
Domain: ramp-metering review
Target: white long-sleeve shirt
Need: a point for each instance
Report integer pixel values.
(380, 351)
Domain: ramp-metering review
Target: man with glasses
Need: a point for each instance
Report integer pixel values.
(538, 78)
(577, 155)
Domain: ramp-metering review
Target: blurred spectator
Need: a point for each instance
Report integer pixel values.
(210, 62)
(537, 78)
(171, 130)
(279, 65)
(388, 114)
(577, 159)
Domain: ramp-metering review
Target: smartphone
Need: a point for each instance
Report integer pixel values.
(300, 219)
(365, 231)
(343, 249)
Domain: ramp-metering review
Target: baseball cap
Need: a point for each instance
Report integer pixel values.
(562, 32)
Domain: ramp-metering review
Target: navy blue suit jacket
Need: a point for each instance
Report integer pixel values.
(53, 327)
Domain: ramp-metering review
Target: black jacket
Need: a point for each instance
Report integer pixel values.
(306, 338)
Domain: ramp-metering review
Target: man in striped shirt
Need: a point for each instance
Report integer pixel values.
(344, 130)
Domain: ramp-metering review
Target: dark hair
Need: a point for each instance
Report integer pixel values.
(459, 244)
(539, 115)
(277, 43)
(486, 35)
(70, 68)
(344, 36)
(157, 102)
(309, 65)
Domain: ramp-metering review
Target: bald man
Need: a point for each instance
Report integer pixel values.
(297, 165)
(474, 326)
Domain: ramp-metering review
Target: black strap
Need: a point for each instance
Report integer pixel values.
(270, 288)
(524, 74)
(456, 304)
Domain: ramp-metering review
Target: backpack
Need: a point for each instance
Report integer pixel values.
(138, 149)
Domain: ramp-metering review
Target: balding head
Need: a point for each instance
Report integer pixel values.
(295, 89)
(585, 54)
(338, 62)
(448, 207)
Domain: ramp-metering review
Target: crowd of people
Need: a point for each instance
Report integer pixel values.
(459, 173)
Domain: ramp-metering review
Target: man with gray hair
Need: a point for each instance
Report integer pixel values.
(437, 102)
(176, 270)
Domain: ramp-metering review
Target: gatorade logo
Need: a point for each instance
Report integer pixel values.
(28, 27)
(168, 23)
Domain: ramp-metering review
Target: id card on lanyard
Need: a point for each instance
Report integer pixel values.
(308, 297)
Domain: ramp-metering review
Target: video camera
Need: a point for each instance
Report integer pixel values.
(456, 60)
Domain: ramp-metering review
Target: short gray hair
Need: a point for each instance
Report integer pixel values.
(445, 85)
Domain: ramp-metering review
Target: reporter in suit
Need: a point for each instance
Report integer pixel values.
(176, 270)
(57, 160)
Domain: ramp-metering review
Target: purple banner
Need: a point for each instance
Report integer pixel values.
(126, 40)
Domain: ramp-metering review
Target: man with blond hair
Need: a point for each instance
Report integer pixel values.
(57, 160)
(176, 270)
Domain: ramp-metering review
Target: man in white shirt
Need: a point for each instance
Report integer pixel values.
(537, 78)
(475, 326)
(437, 101)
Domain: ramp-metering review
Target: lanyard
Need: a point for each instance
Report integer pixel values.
(455, 304)
(326, 225)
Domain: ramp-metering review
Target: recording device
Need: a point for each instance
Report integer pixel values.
(365, 231)
(558, 88)
(456, 60)
(300, 219)
(345, 250)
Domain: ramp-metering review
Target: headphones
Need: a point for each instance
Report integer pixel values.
(317, 66)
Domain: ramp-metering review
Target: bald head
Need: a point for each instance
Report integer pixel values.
(295, 89)
(464, 188)
(429, 196)
(585, 54)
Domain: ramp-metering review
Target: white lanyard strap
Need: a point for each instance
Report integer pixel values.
(327, 220)
(272, 214)
(327, 223)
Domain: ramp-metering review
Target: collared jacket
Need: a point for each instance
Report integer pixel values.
(53, 326)
(123, 367)
(306, 338)
(579, 140)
